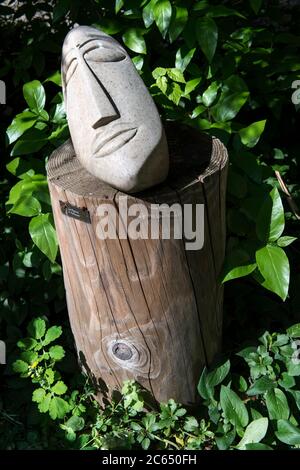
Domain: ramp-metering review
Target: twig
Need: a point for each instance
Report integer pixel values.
(291, 201)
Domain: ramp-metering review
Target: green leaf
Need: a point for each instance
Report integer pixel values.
(148, 15)
(36, 328)
(76, 423)
(184, 57)
(287, 432)
(118, 5)
(233, 96)
(55, 78)
(233, 407)
(191, 424)
(59, 388)
(52, 334)
(285, 241)
(270, 220)
(174, 92)
(237, 264)
(207, 36)
(250, 135)
(218, 375)
(44, 404)
(28, 206)
(204, 388)
(256, 5)
(176, 75)
(34, 94)
(277, 404)
(178, 22)
(133, 38)
(43, 235)
(56, 352)
(191, 85)
(210, 94)
(294, 331)
(38, 395)
(254, 433)
(58, 408)
(258, 446)
(260, 386)
(274, 266)
(20, 367)
(162, 12)
(20, 124)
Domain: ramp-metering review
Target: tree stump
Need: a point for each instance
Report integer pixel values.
(144, 309)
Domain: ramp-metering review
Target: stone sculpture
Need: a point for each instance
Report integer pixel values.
(115, 127)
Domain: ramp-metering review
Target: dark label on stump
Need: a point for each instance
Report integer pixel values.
(75, 212)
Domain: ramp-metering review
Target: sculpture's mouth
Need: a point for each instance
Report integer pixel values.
(108, 142)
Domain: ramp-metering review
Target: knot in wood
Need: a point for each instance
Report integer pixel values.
(122, 351)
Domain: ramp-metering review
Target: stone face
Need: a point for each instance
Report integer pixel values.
(114, 124)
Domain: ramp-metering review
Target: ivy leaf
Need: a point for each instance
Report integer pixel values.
(21, 123)
(133, 39)
(35, 96)
(207, 36)
(162, 11)
(178, 22)
(58, 408)
(254, 433)
(270, 219)
(250, 135)
(59, 388)
(234, 409)
(274, 266)
(43, 235)
(52, 334)
(287, 432)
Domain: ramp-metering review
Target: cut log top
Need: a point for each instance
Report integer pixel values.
(193, 157)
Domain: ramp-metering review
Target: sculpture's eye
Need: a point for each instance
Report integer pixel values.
(71, 69)
(104, 54)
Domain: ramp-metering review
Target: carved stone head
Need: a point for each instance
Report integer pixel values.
(115, 127)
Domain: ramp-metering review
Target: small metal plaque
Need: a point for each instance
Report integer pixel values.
(79, 213)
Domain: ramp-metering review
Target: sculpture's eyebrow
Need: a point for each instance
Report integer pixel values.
(108, 40)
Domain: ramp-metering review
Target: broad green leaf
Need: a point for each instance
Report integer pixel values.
(43, 235)
(204, 389)
(176, 75)
(52, 334)
(159, 72)
(148, 14)
(294, 331)
(38, 395)
(21, 123)
(270, 219)
(162, 12)
(277, 404)
(288, 432)
(44, 404)
(285, 241)
(184, 57)
(133, 39)
(233, 96)
(59, 388)
(27, 206)
(191, 85)
(256, 5)
(217, 376)
(76, 423)
(58, 408)
(250, 135)
(21, 367)
(224, 442)
(36, 328)
(178, 22)
(258, 446)
(260, 386)
(55, 78)
(118, 5)
(162, 83)
(274, 266)
(237, 264)
(174, 92)
(254, 433)
(207, 36)
(210, 94)
(233, 407)
(138, 62)
(56, 352)
(35, 96)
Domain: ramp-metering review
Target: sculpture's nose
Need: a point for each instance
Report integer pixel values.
(102, 111)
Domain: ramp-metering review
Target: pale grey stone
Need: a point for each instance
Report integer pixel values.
(114, 124)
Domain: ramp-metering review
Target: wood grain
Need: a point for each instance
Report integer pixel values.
(144, 309)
